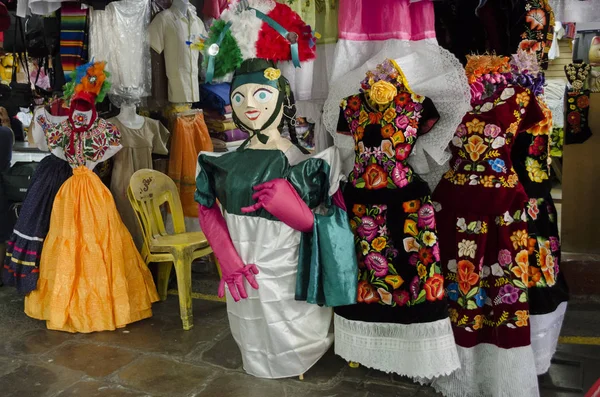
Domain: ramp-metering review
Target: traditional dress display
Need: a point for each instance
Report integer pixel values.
(24, 248)
(484, 245)
(548, 292)
(138, 146)
(400, 323)
(92, 277)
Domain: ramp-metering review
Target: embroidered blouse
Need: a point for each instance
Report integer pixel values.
(481, 162)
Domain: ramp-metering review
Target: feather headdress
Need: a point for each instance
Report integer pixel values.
(90, 78)
(262, 29)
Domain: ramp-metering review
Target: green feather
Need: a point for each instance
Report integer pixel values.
(229, 57)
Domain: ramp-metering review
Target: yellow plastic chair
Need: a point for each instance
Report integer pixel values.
(148, 191)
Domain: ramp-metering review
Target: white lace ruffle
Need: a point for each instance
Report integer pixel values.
(554, 94)
(431, 71)
(489, 371)
(545, 330)
(413, 350)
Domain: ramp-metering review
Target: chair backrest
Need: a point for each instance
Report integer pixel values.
(148, 191)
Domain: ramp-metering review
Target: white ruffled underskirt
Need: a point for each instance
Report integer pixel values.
(545, 330)
(490, 371)
(413, 350)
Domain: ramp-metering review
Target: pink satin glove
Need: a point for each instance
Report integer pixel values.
(233, 270)
(281, 200)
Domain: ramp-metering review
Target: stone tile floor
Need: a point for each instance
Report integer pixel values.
(156, 357)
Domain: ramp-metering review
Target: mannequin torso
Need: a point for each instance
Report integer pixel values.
(130, 118)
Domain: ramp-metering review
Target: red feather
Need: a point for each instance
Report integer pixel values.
(272, 46)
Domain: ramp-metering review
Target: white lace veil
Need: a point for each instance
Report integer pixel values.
(431, 71)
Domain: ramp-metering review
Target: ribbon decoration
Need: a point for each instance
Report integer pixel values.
(213, 50)
(292, 37)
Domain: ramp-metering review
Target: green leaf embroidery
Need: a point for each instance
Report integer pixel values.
(360, 183)
(421, 297)
(523, 297)
(480, 168)
(519, 284)
(471, 305)
(472, 293)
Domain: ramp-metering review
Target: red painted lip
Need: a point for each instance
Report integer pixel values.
(253, 114)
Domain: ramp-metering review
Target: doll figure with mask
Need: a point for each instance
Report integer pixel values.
(275, 221)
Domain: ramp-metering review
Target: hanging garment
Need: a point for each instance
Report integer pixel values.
(118, 36)
(138, 146)
(73, 37)
(548, 292)
(278, 335)
(190, 137)
(92, 277)
(400, 323)
(484, 246)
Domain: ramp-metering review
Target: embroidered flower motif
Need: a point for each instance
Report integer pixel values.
(401, 297)
(410, 132)
(382, 92)
(389, 115)
(367, 228)
(535, 171)
(461, 131)
(375, 177)
(387, 131)
(402, 99)
(379, 243)
(530, 45)
(475, 126)
(492, 130)
(532, 209)
(427, 216)
(536, 19)
(398, 138)
(354, 102)
(272, 74)
(497, 165)
(509, 294)
(422, 271)
(411, 244)
(411, 206)
(521, 270)
(434, 288)
(519, 239)
(523, 99)
(466, 276)
(402, 122)
(429, 238)
(363, 117)
(394, 281)
(402, 151)
(359, 210)
(547, 264)
(522, 316)
(387, 147)
(425, 256)
(478, 322)
(399, 175)
(377, 262)
(476, 147)
(534, 276)
(583, 102)
(366, 293)
(574, 118)
(386, 297)
(467, 248)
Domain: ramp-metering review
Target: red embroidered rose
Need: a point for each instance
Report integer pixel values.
(375, 177)
(434, 288)
(366, 293)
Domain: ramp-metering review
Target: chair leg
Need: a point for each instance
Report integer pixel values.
(163, 274)
(183, 268)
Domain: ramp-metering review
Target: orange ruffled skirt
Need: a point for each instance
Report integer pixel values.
(92, 277)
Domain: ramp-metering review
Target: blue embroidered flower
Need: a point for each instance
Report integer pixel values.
(452, 292)
(497, 165)
(480, 297)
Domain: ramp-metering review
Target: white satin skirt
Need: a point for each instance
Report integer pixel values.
(278, 336)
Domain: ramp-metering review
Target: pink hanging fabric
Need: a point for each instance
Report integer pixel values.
(361, 20)
(214, 8)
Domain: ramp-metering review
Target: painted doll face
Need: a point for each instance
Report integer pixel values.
(254, 104)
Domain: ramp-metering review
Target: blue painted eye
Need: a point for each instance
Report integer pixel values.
(237, 99)
(263, 95)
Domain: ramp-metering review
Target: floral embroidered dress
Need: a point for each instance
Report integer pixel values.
(548, 292)
(485, 249)
(92, 277)
(400, 323)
